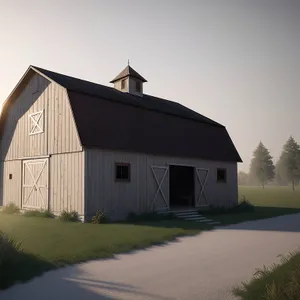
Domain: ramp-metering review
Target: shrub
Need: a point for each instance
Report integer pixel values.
(244, 206)
(71, 216)
(10, 209)
(39, 213)
(99, 218)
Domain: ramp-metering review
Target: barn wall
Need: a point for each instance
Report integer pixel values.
(67, 182)
(119, 198)
(118, 85)
(60, 133)
(10, 190)
(132, 86)
(63, 136)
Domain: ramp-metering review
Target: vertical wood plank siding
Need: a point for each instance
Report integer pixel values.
(119, 198)
(67, 182)
(63, 136)
(10, 189)
(60, 133)
(58, 138)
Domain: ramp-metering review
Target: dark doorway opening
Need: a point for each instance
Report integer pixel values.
(182, 186)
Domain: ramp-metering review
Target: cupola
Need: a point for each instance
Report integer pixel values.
(129, 81)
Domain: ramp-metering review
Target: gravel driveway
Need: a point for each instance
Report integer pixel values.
(202, 267)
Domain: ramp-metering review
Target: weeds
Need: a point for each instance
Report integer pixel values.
(277, 282)
(99, 218)
(39, 213)
(10, 209)
(72, 216)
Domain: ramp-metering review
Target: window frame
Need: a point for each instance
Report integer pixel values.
(122, 164)
(123, 84)
(224, 180)
(36, 123)
(138, 84)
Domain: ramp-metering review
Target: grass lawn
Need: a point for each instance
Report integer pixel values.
(67, 242)
(269, 202)
(49, 243)
(280, 282)
(271, 196)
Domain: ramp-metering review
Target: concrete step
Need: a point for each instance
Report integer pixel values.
(190, 215)
(194, 218)
(187, 216)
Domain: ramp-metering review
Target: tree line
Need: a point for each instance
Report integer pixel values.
(263, 171)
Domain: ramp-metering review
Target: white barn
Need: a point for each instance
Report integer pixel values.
(69, 144)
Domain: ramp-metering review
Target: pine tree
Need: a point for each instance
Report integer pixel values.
(289, 162)
(262, 168)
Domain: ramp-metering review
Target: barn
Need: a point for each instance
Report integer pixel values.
(70, 144)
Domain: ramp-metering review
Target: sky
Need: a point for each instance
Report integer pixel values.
(234, 61)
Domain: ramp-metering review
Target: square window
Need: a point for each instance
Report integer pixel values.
(10, 176)
(221, 175)
(122, 172)
(36, 123)
(138, 86)
(123, 84)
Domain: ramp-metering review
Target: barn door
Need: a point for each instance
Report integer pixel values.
(35, 184)
(160, 174)
(202, 175)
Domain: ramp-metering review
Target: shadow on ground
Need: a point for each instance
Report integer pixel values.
(71, 283)
(59, 285)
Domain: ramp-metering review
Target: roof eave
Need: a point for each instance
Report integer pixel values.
(122, 77)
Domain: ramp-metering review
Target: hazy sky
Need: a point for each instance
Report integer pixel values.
(237, 62)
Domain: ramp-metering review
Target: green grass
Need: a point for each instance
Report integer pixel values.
(275, 282)
(259, 213)
(280, 282)
(75, 242)
(269, 202)
(51, 243)
(272, 196)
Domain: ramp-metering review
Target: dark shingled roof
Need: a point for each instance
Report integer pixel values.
(128, 71)
(109, 119)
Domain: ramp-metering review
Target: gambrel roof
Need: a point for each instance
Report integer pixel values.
(109, 119)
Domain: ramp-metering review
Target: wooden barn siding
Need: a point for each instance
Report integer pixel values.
(63, 136)
(119, 198)
(10, 190)
(60, 133)
(67, 182)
